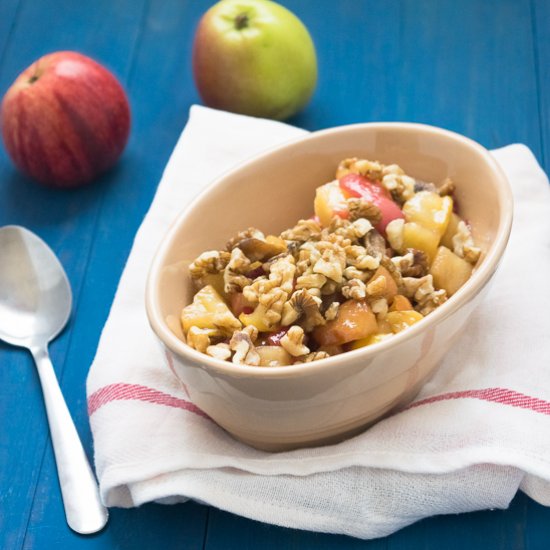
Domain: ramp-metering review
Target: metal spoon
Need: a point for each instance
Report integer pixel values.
(35, 304)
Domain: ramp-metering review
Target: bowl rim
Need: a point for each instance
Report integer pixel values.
(468, 291)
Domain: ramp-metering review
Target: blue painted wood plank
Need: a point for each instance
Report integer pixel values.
(541, 29)
(107, 31)
(229, 532)
(466, 66)
(8, 15)
(159, 113)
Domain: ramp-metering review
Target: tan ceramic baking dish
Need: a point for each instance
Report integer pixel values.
(277, 408)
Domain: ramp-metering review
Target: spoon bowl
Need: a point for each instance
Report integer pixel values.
(35, 305)
(35, 295)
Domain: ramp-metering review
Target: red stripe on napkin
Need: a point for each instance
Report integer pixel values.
(494, 395)
(127, 392)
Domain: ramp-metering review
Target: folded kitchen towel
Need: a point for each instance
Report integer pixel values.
(477, 432)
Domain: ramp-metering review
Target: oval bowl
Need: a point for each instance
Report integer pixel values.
(280, 408)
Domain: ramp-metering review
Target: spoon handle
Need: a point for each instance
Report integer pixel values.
(83, 509)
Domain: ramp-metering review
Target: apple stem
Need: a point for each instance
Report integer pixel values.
(37, 74)
(241, 21)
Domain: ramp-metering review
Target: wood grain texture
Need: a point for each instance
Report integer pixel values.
(479, 68)
(541, 29)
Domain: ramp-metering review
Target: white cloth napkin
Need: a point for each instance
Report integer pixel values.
(478, 432)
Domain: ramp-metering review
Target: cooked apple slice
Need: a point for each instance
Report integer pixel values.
(329, 202)
(273, 356)
(208, 310)
(369, 340)
(452, 228)
(429, 210)
(213, 279)
(400, 303)
(449, 271)
(258, 318)
(354, 320)
(391, 285)
(400, 320)
(421, 238)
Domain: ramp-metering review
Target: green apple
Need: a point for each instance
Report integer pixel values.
(254, 57)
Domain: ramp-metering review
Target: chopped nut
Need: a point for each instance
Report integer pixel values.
(379, 307)
(199, 338)
(447, 187)
(330, 287)
(219, 351)
(281, 275)
(394, 234)
(332, 261)
(420, 185)
(304, 230)
(370, 169)
(355, 289)
(352, 272)
(431, 302)
(293, 340)
(272, 304)
(245, 353)
(242, 235)
(424, 293)
(332, 311)
(305, 306)
(360, 208)
(394, 272)
(310, 280)
(358, 257)
(375, 244)
(377, 287)
(463, 244)
(398, 183)
(212, 261)
(412, 264)
(233, 276)
(262, 249)
(283, 270)
(252, 332)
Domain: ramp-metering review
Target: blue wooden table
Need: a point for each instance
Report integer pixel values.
(479, 67)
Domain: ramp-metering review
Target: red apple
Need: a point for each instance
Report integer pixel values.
(65, 120)
(355, 185)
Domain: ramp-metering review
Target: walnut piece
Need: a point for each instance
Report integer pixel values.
(304, 306)
(447, 187)
(377, 288)
(355, 289)
(332, 311)
(413, 264)
(251, 232)
(360, 208)
(234, 277)
(211, 261)
(332, 261)
(245, 352)
(463, 244)
(304, 230)
(219, 351)
(398, 183)
(371, 169)
(199, 338)
(394, 234)
(293, 342)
